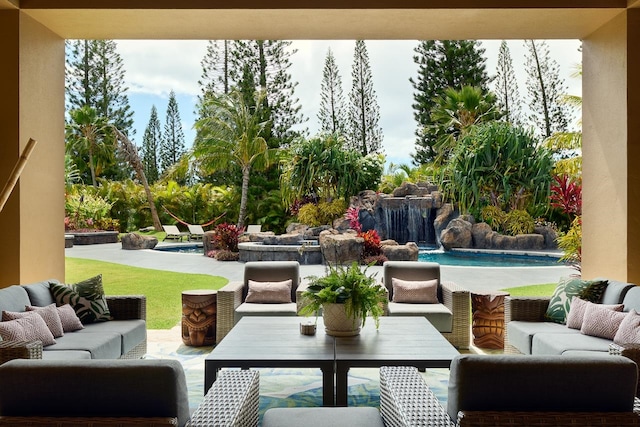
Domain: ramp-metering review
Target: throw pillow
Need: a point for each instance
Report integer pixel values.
(629, 329)
(69, 319)
(87, 299)
(578, 306)
(568, 288)
(269, 292)
(601, 322)
(50, 316)
(30, 327)
(415, 291)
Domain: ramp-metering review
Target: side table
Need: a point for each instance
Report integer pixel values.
(199, 309)
(487, 323)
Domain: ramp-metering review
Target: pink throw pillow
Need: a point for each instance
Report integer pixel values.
(70, 320)
(629, 330)
(269, 292)
(415, 291)
(32, 324)
(50, 316)
(578, 307)
(601, 322)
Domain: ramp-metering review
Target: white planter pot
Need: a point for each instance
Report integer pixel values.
(337, 323)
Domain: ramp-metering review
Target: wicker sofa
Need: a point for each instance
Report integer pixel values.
(451, 316)
(527, 332)
(510, 390)
(120, 393)
(124, 337)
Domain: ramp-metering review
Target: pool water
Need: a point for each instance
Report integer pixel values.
(479, 259)
(182, 249)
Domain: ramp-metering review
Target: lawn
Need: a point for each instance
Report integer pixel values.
(543, 290)
(163, 289)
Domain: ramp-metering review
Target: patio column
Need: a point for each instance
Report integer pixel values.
(31, 106)
(611, 150)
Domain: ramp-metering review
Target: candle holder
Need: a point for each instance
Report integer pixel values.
(307, 328)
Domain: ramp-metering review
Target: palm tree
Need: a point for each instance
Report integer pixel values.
(456, 111)
(230, 136)
(90, 135)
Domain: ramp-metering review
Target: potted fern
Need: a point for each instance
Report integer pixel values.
(346, 295)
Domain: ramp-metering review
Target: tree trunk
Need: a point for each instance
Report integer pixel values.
(244, 196)
(133, 158)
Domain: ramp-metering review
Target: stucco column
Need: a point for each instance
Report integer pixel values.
(611, 150)
(31, 106)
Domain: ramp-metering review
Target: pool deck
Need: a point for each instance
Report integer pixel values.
(471, 278)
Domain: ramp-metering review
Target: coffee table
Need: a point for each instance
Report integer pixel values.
(277, 342)
(400, 341)
(274, 342)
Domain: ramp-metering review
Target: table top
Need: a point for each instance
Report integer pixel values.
(399, 340)
(276, 339)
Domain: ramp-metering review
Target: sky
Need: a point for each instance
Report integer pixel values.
(154, 68)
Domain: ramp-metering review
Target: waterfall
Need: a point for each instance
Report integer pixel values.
(406, 220)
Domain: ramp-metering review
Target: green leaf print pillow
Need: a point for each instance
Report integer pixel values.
(569, 287)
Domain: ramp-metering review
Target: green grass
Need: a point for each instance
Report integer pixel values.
(543, 290)
(163, 289)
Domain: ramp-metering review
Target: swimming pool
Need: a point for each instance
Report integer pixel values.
(482, 259)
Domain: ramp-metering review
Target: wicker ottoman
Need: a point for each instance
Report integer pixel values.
(322, 417)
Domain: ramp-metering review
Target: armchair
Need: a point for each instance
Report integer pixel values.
(122, 392)
(232, 304)
(515, 390)
(451, 315)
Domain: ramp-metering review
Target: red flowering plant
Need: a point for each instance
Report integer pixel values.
(566, 195)
(372, 251)
(225, 236)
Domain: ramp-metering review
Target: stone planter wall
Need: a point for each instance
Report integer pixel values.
(95, 238)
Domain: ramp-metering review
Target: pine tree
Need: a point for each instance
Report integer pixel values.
(95, 78)
(506, 87)
(151, 146)
(216, 68)
(545, 89)
(269, 61)
(442, 64)
(172, 146)
(332, 113)
(365, 134)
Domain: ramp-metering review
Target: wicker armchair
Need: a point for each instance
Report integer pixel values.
(123, 393)
(451, 296)
(406, 400)
(231, 298)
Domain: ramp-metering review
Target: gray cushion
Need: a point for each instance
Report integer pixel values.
(437, 314)
(541, 383)
(547, 343)
(250, 309)
(615, 292)
(66, 355)
(521, 333)
(13, 298)
(322, 417)
(272, 271)
(94, 388)
(104, 345)
(133, 332)
(632, 299)
(40, 293)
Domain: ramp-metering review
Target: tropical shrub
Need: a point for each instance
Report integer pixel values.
(323, 213)
(309, 214)
(498, 164)
(495, 217)
(226, 255)
(571, 244)
(371, 244)
(519, 222)
(86, 211)
(225, 237)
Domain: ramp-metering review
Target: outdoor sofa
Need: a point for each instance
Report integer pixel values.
(120, 393)
(512, 390)
(123, 337)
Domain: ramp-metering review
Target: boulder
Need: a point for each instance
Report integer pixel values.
(312, 233)
(283, 239)
(407, 252)
(405, 189)
(481, 233)
(296, 227)
(256, 237)
(550, 235)
(207, 242)
(443, 216)
(500, 241)
(457, 235)
(134, 241)
(388, 242)
(340, 248)
(530, 241)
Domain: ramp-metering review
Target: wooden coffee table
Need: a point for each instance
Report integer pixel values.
(276, 342)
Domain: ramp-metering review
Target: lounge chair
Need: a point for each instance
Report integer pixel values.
(174, 233)
(196, 232)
